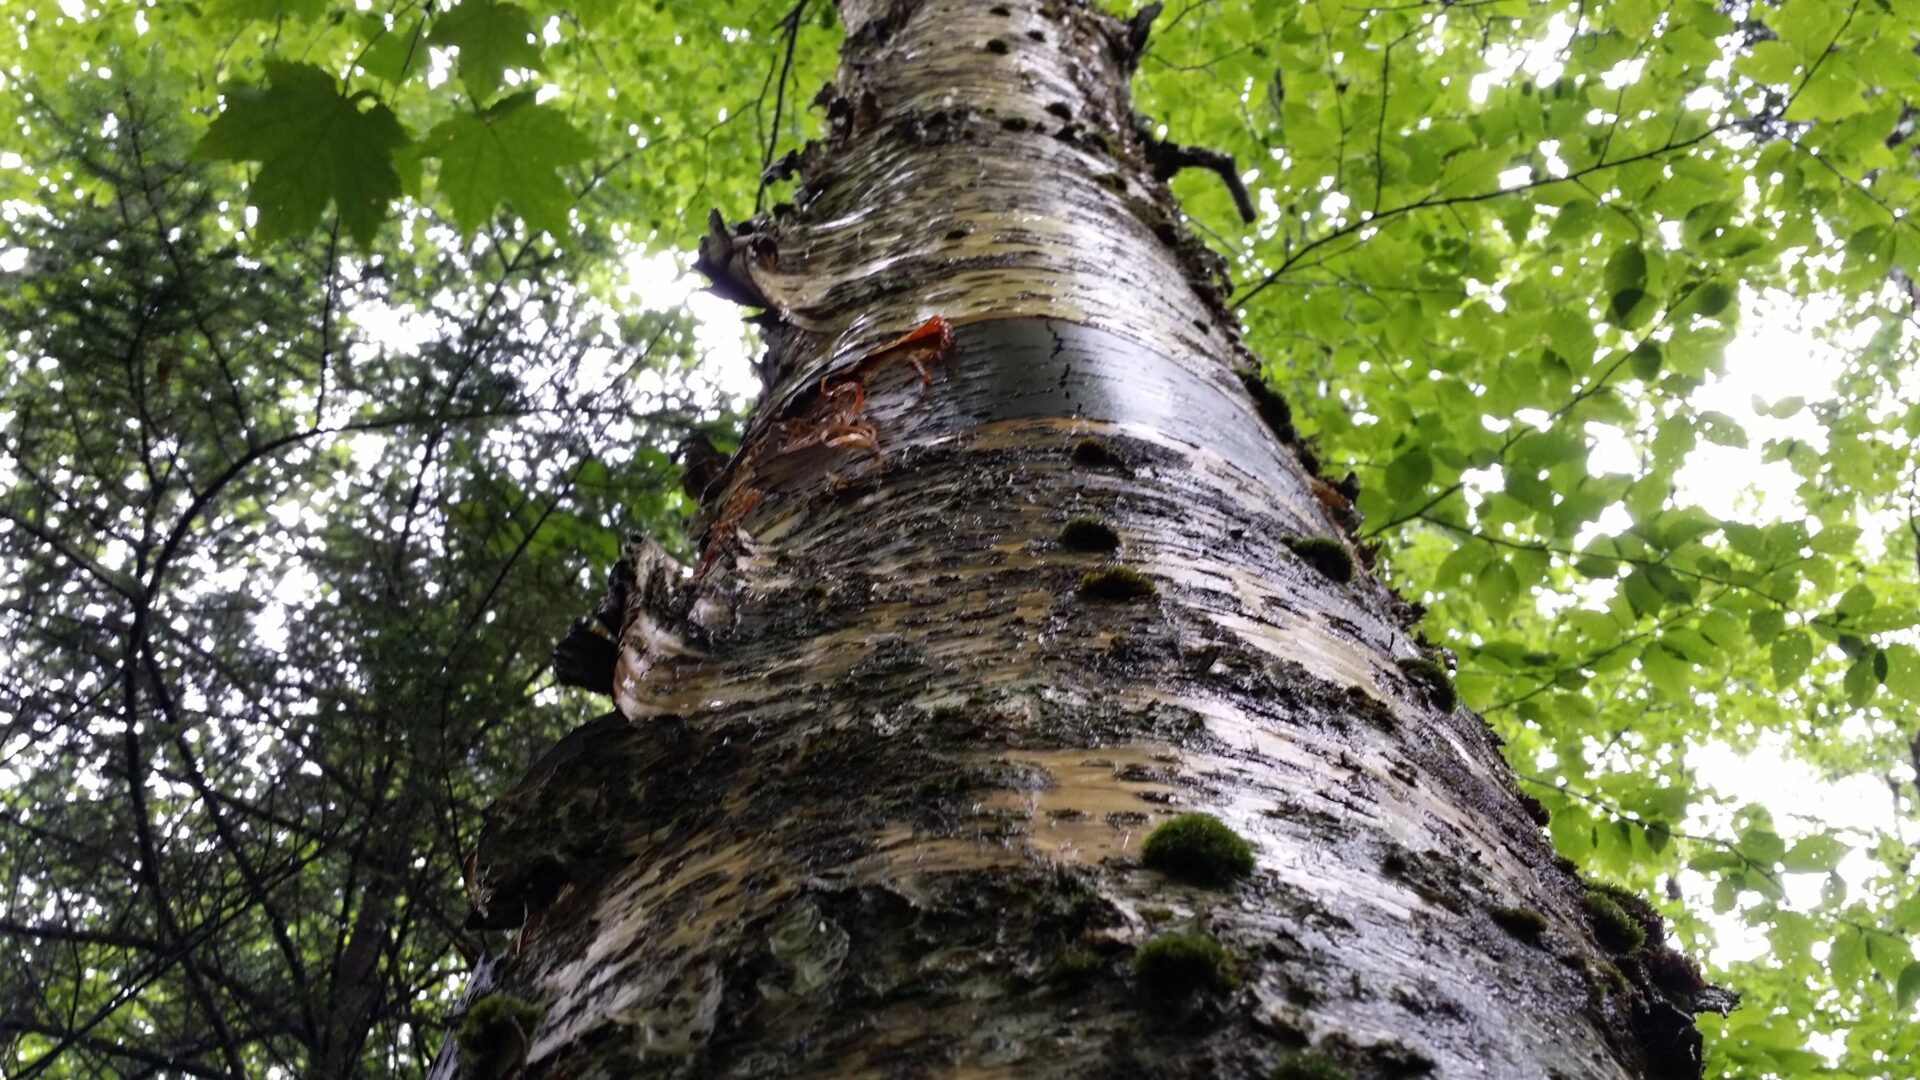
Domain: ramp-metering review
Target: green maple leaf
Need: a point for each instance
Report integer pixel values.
(314, 145)
(491, 38)
(393, 54)
(512, 152)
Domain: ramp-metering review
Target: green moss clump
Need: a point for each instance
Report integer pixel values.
(1433, 676)
(1088, 534)
(1073, 964)
(1176, 965)
(1522, 922)
(1094, 454)
(1199, 849)
(1117, 584)
(1615, 929)
(1328, 556)
(1371, 709)
(1112, 181)
(1613, 979)
(1636, 907)
(496, 1032)
(1015, 123)
(1310, 1066)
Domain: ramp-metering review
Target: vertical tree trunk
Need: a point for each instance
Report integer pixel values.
(957, 647)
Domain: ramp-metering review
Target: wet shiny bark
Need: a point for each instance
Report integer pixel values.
(880, 804)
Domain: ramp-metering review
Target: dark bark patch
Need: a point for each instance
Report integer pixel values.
(1426, 874)
(1273, 409)
(1074, 966)
(1096, 454)
(1372, 709)
(1117, 584)
(996, 46)
(1386, 1059)
(1430, 676)
(1198, 848)
(1536, 810)
(495, 1034)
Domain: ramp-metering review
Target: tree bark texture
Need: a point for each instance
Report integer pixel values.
(876, 800)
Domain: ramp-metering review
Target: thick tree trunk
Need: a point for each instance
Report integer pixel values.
(957, 647)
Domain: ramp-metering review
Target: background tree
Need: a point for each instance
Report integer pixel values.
(279, 595)
(1471, 215)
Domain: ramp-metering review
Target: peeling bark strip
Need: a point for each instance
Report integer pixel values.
(959, 644)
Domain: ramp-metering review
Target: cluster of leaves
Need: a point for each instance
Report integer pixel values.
(1505, 255)
(472, 108)
(277, 593)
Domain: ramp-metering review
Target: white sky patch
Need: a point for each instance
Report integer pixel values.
(1540, 59)
(396, 328)
(1610, 451)
(1773, 359)
(660, 281)
(366, 448)
(439, 66)
(1802, 803)
(1623, 73)
(296, 588)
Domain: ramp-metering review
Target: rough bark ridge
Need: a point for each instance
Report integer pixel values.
(955, 647)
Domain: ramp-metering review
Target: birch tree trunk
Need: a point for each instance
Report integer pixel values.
(957, 647)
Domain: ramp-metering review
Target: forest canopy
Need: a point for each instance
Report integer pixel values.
(345, 340)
